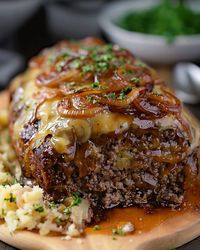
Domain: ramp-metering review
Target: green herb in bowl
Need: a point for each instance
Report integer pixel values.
(168, 19)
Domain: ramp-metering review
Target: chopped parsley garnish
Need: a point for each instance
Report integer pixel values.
(136, 80)
(156, 93)
(124, 92)
(95, 84)
(104, 58)
(119, 231)
(76, 64)
(87, 68)
(110, 95)
(70, 84)
(51, 58)
(114, 231)
(127, 71)
(78, 88)
(82, 57)
(108, 47)
(91, 99)
(11, 198)
(52, 205)
(122, 96)
(102, 66)
(76, 199)
(96, 227)
(59, 66)
(141, 64)
(58, 220)
(39, 208)
(67, 211)
(64, 55)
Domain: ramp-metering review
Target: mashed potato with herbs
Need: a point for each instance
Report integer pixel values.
(24, 207)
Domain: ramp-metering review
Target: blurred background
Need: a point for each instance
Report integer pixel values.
(27, 26)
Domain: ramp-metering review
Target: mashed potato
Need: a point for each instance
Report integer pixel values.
(24, 207)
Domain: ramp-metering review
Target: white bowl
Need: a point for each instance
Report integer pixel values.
(150, 48)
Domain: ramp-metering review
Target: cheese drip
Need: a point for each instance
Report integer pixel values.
(63, 130)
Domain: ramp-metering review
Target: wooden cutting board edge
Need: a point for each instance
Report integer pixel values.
(172, 233)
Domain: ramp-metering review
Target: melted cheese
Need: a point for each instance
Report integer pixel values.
(105, 123)
(63, 130)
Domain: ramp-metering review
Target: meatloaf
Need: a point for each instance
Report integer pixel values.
(91, 118)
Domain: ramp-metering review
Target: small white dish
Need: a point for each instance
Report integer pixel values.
(150, 48)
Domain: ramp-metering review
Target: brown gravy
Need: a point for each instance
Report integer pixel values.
(143, 219)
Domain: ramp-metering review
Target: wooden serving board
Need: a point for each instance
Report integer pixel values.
(170, 233)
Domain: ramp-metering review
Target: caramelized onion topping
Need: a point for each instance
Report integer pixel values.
(90, 77)
(77, 107)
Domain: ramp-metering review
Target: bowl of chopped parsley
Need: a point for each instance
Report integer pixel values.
(157, 31)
